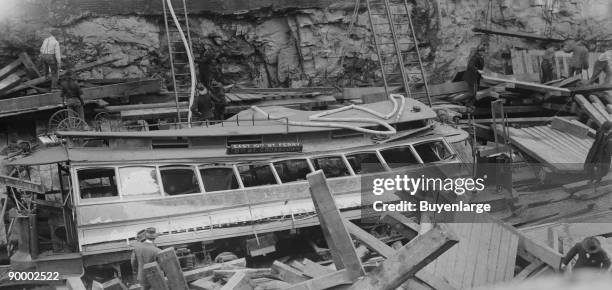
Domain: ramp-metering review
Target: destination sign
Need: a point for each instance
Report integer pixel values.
(264, 148)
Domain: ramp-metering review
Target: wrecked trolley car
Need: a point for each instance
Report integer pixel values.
(239, 177)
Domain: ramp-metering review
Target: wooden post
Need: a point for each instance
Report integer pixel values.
(154, 276)
(332, 225)
(411, 258)
(169, 263)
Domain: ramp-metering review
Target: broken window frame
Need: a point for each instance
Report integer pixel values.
(444, 143)
(77, 188)
(139, 196)
(223, 166)
(310, 167)
(272, 170)
(381, 160)
(344, 161)
(406, 145)
(193, 168)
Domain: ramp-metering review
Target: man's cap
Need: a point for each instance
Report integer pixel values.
(591, 245)
(148, 234)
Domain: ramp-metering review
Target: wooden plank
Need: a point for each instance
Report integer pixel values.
(21, 184)
(253, 273)
(511, 260)
(169, 263)
(518, 34)
(240, 281)
(527, 85)
(332, 225)
(601, 108)
(9, 82)
(287, 273)
(493, 254)
(568, 81)
(123, 89)
(314, 270)
(336, 278)
(398, 268)
(369, 240)
(590, 109)
(535, 248)
(10, 68)
(592, 89)
(41, 80)
(472, 255)
(200, 273)
(204, 284)
(155, 277)
(575, 128)
(29, 65)
(480, 271)
(75, 283)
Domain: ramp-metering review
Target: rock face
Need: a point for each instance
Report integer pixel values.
(300, 47)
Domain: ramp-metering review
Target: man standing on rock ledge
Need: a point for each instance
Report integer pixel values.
(51, 57)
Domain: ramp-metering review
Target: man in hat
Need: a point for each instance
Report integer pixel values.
(547, 66)
(145, 252)
(51, 57)
(71, 94)
(203, 104)
(590, 255)
(218, 98)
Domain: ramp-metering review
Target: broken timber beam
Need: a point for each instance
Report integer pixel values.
(199, 273)
(517, 34)
(332, 226)
(169, 263)
(408, 260)
(287, 273)
(29, 65)
(600, 107)
(592, 89)
(43, 79)
(575, 128)
(10, 68)
(527, 85)
(21, 184)
(593, 113)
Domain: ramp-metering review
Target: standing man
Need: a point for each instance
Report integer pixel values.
(51, 57)
(546, 66)
(471, 75)
(71, 94)
(590, 255)
(145, 252)
(603, 65)
(580, 57)
(203, 104)
(218, 98)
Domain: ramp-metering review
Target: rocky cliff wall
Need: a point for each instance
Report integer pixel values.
(302, 46)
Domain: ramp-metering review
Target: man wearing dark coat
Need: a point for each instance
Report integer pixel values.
(471, 75)
(145, 252)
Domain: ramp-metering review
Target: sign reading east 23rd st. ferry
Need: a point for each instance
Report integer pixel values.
(264, 148)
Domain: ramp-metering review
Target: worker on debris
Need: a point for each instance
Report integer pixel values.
(546, 66)
(597, 163)
(209, 72)
(71, 94)
(145, 252)
(602, 65)
(580, 57)
(203, 105)
(51, 57)
(218, 98)
(471, 75)
(590, 255)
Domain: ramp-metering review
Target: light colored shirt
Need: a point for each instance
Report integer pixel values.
(51, 46)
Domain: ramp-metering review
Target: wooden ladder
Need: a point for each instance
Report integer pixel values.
(396, 24)
(179, 61)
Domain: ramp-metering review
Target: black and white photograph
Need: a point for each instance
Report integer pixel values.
(305, 144)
